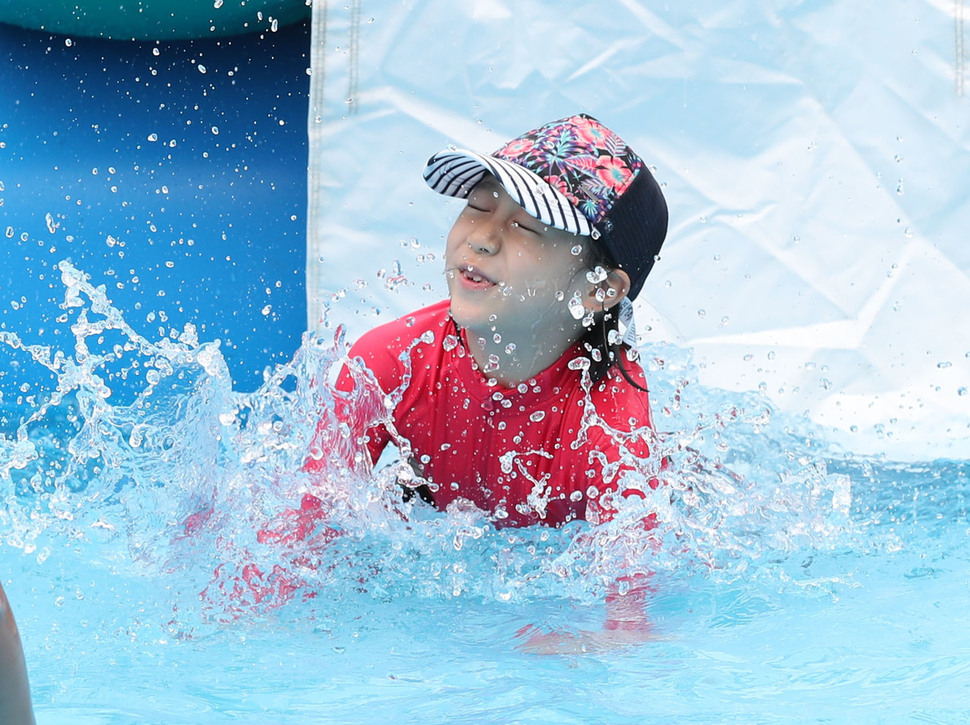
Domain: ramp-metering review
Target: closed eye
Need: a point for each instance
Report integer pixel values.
(528, 226)
(476, 203)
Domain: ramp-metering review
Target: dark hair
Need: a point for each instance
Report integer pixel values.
(606, 325)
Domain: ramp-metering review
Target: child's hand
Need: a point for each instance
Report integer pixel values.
(626, 625)
(538, 642)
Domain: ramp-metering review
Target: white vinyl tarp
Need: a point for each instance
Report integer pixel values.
(815, 157)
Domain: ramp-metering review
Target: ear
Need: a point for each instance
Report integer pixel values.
(616, 287)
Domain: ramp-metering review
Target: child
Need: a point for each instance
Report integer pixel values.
(562, 226)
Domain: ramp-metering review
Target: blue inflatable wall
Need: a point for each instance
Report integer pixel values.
(172, 172)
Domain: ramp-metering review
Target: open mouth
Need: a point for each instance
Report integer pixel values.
(472, 278)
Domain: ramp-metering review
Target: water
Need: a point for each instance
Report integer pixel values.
(149, 524)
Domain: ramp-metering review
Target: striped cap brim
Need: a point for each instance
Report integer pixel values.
(455, 172)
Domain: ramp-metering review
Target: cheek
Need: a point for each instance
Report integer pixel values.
(454, 236)
(545, 290)
(553, 272)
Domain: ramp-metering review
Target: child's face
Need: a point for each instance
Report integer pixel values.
(510, 273)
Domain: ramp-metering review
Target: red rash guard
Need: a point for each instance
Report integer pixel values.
(516, 453)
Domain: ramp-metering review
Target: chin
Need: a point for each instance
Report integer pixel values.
(468, 316)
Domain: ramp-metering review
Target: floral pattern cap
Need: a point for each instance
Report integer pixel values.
(579, 157)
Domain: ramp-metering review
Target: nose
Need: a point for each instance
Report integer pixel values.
(486, 236)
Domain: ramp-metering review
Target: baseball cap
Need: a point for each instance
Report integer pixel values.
(573, 174)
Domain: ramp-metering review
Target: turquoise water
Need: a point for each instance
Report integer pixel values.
(795, 581)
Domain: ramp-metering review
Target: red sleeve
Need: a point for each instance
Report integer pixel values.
(622, 444)
(373, 370)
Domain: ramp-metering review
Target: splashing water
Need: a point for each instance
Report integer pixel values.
(191, 480)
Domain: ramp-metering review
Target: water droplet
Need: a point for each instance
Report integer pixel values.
(153, 137)
(510, 348)
(576, 308)
(217, 4)
(577, 250)
(597, 275)
(961, 391)
(576, 496)
(943, 365)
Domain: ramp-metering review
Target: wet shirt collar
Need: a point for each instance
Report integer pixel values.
(531, 394)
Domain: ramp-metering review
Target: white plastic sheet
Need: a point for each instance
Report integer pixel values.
(815, 157)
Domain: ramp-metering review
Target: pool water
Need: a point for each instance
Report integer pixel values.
(795, 581)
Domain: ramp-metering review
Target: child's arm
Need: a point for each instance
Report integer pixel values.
(359, 403)
(627, 620)
(15, 705)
